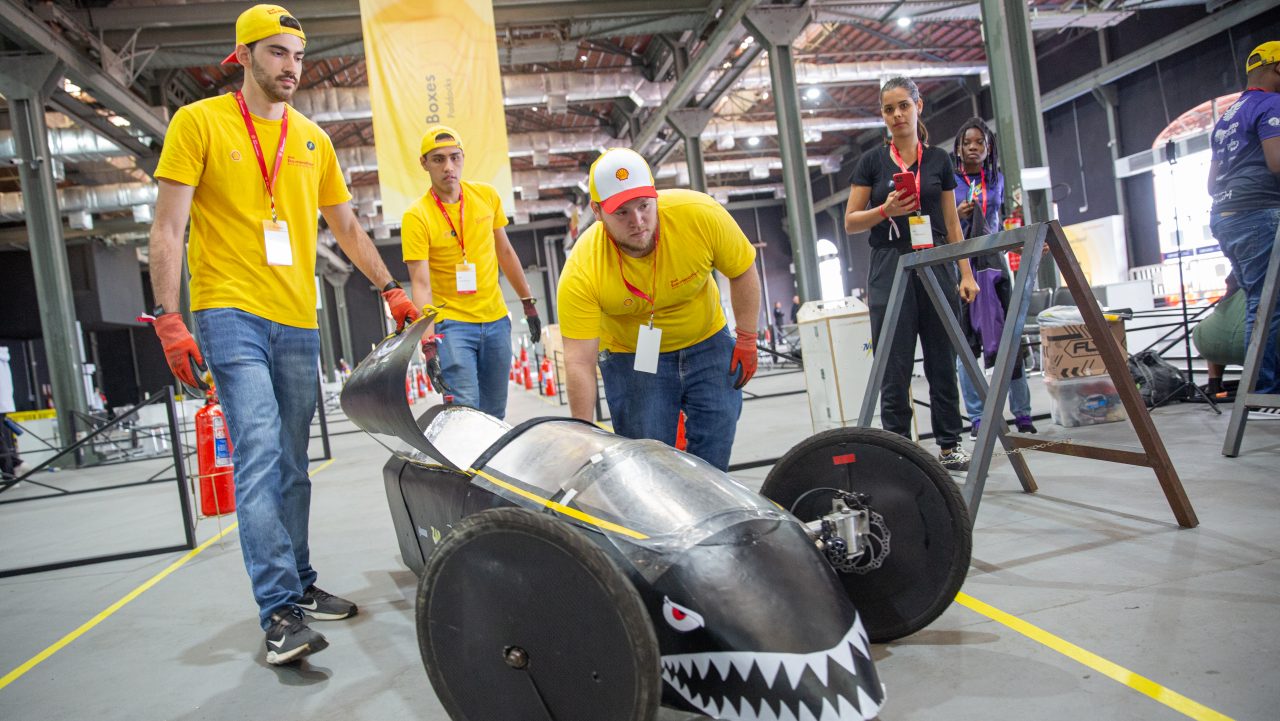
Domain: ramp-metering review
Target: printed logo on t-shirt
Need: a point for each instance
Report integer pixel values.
(235, 155)
(311, 145)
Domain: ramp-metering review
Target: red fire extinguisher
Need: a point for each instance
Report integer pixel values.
(213, 454)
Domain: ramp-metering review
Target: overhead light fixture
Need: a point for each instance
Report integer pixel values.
(746, 42)
(727, 65)
(764, 95)
(812, 94)
(70, 87)
(753, 141)
(904, 22)
(583, 58)
(119, 121)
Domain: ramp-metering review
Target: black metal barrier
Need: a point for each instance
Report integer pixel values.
(184, 496)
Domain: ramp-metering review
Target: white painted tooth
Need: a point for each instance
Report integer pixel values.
(687, 664)
(769, 664)
(843, 655)
(818, 662)
(743, 662)
(703, 662)
(847, 711)
(766, 712)
(805, 714)
(869, 708)
(829, 712)
(721, 661)
(858, 638)
(795, 665)
(785, 713)
(711, 708)
(747, 713)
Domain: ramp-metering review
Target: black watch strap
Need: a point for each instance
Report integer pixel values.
(389, 286)
(157, 311)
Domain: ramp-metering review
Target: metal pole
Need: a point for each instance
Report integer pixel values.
(26, 83)
(1015, 92)
(344, 323)
(327, 363)
(184, 494)
(776, 28)
(690, 122)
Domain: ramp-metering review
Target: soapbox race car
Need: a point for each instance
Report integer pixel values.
(569, 574)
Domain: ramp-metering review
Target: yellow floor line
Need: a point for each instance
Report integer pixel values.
(1116, 672)
(39, 658)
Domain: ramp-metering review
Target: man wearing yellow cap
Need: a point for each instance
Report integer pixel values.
(454, 241)
(637, 290)
(251, 173)
(1244, 180)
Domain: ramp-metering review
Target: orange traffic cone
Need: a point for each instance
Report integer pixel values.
(528, 378)
(408, 391)
(549, 385)
(514, 365)
(682, 443)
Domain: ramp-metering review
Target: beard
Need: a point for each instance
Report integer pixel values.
(271, 87)
(630, 244)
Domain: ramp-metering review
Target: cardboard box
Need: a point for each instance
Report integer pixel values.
(1069, 351)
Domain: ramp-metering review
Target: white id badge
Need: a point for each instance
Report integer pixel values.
(466, 277)
(275, 233)
(921, 232)
(647, 344)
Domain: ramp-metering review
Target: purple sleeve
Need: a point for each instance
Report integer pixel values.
(1268, 122)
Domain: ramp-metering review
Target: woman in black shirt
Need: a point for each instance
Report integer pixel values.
(916, 217)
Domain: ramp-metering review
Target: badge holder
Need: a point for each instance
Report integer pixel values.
(648, 343)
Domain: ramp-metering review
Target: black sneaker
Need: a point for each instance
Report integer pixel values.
(1024, 424)
(957, 460)
(290, 639)
(323, 606)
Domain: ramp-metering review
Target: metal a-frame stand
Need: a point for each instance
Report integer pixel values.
(1259, 339)
(1031, 241)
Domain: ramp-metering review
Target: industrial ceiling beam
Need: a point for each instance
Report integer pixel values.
(1219, 22)
(712, 52)
(24, 28)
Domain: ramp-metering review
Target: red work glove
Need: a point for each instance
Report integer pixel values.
(532, 319)
(402, 309)
(180, 349)
(745, 358)
(431, 354)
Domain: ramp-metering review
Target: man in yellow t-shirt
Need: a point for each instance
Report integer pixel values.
(250, 173)
(454, 241)
(638, 283)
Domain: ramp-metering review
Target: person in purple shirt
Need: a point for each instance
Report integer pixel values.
(1244, 181)
(979, 193)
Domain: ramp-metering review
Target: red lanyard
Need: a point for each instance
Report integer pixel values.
(1261, 90)
(462, 199)
(897, 158)
(634, 290)
(268, 180)
(983, 172)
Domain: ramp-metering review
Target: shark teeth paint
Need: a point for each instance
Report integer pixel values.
(826, 685)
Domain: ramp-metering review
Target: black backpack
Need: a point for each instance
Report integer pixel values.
(1157, 379)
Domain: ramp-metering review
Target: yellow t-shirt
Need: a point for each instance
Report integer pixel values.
(207, 146)
(426, 235)
(695, 234)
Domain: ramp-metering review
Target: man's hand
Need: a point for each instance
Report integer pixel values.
(745, 358)
(531, 317)
(180, 349)
(402, 309)
(431, 352)
(968, 288)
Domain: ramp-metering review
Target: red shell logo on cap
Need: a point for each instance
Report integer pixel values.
(622, 174)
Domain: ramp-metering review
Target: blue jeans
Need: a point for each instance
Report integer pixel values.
(1019, 395)
(475, 359)
(1247, 237)
(265, 374)
(694, 379)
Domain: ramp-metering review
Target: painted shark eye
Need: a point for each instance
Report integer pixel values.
(679, 617)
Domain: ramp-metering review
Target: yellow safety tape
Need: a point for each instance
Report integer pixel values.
(39, 658)
(559, 508)
(1114, 671)
(24, 416)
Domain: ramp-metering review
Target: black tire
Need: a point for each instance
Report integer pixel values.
(930, 541)
(507, 583)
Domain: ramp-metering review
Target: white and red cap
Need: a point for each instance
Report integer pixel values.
(619, 175)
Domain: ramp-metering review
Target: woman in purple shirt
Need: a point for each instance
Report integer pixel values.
(979, 193)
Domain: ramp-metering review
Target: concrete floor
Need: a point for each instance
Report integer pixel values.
(1095, 560)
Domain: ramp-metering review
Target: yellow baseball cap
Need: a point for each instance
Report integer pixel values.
(263, 21)
(1264, 54)
(439, 136)
(619, 175)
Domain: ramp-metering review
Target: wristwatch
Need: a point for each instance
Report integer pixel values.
(530, 299)
(157, 311)
(392, 285)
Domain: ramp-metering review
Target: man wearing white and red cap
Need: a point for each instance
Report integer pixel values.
(1244, 180)
(637, 290)
(454, 241)
(251, 173)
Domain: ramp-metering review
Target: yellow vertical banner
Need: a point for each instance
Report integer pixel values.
(434, 62)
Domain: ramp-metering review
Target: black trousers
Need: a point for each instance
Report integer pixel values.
(917, 319)
(8, 450)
